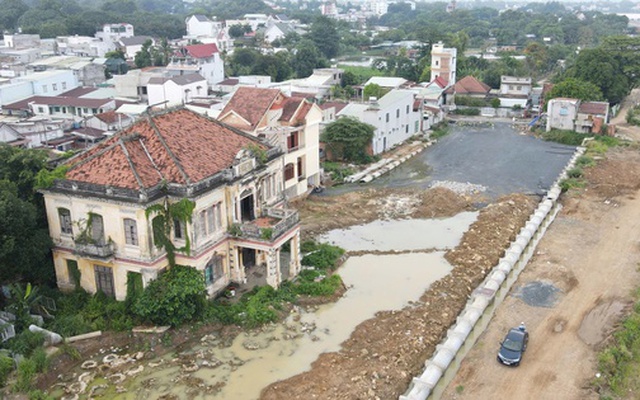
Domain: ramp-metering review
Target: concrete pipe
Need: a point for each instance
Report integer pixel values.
(505, 266)
(431, 375)
(50, 338)
(498, 276)
(443, 358)
(492, 285)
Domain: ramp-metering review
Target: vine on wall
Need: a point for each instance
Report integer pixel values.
(162, 224)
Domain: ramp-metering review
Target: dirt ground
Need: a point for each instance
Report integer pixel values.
(384, 353)
(591, 253)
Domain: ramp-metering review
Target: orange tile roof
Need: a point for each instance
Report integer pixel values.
(251, 104)
(290, 107)
(180, 147)
(470, 85)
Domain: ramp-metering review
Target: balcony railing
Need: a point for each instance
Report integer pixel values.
(271, 225)
(99, 250)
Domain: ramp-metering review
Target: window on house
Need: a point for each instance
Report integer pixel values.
(56, 109)
(406, 129)
(289, 172)
(437, 63)
(398, 113)
(387, 117)
(300, 169)
(73, 272)
(213, 270)
(104, 280)
(519, 88)
(131, 231)
(94, 110)
(407, 109)
(54, 86)
(64, 85)
(292, 141)
(417, 127)
(97, 229)
(40, 110)
(65, 221)
(178, 229)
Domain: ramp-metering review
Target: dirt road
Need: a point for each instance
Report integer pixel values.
(591, 253)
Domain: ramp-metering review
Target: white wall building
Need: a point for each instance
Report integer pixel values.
(132, 45)
(21, 41)
(443, 62)
(203, 59)
(199, 25)
(562, 113)
(394, 116)
(83, 46)
(113, 32)
(176, 90)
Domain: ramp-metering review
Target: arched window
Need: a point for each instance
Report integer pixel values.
(289, 171)
(65, 221)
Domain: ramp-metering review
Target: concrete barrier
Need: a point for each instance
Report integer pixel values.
(475, 317)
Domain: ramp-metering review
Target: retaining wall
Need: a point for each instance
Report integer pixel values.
(474, 319)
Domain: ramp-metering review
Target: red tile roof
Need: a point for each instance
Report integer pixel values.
(78, 92)
(111, 117)
(251, 104)
(180, 147)
(594, 107)
(336, 104)
(289, 108)
(202, 50)
(470, 85)
(440, 81)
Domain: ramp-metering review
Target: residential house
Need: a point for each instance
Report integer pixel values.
(386, 82)
(87, 72)
(443, 62)
(330, 110)
(34, 132)
(203, 59)
(62, 107)
(396, 117)
(46, 83)
(514, 91)
(238, 232)
(290, 123)
(199, 25)
(112, 33)
(131, 45)
(83, 46)
(177, 90)
(468, 86)
(21, 41)
(278, 31)
(562, 113)
(230, 84)
(110, 121)
(592, 116)
(317, 85)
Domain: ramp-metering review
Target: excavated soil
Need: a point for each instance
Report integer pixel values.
(384, 353)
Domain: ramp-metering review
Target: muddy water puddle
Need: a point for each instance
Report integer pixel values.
(409, 234)
(256, 359)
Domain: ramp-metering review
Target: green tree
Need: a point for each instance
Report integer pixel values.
(25, 244)
(175, 297)
(143, 58)
(236, 31)
(604, 70)
(348, 139)
(12, 10)
(575, 89)
(324, 34)
(372, 90)
(307, 58)
(537, 59)
(122, 7)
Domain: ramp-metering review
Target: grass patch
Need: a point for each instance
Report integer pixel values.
(440, 130)
(467, 111)
(619, 363)
(571, 183)
(573, 138)
(585, 161)
(338, 171)
(362, 73)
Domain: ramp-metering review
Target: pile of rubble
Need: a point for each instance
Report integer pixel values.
(459, 187)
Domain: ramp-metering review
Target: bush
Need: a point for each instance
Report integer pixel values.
(25, 342)
(470, 101)
(585, 161)
(308, 246)
(325, 257)
(440, 130)
(574, 173)
(175, 297)
(26, 372)
(6, 367)
(70, 325)
(337, 170)
(467, 111)
(39, 358)
(571, 183)
(306, 284)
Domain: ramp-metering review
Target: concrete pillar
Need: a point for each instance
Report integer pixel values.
(273, 273)
(294, 264)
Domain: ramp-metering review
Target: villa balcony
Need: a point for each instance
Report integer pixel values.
(95, 250)
(270, 226)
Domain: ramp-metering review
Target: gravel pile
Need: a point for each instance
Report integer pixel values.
(459, 187)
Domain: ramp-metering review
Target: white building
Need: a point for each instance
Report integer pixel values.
(443, 62)
(85, 70)
(562, 113)
(317, 85)
(132, 45)
(177, 90)
(47, 83)
(203, 59)
(395, 117)
(514, 91)
(199, 25)
(111, 33)
(21, 41)
(83, 46)
(378, 7)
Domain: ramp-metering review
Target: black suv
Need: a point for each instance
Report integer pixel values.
(513, 346)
